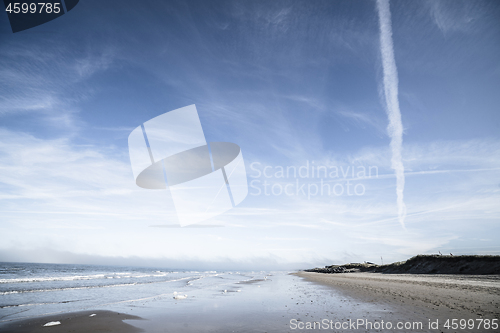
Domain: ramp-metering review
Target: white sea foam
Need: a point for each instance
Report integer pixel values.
(53, 278)
(180, 296)
(91, 287)
(52, 323)
(79, 277)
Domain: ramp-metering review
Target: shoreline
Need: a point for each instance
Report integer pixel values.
(282, 302)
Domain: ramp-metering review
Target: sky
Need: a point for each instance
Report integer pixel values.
(395, 106)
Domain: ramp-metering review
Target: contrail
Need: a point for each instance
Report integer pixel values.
(395, 127)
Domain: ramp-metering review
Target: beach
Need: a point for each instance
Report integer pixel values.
(214, 302)
(422, 297)
(112, 299)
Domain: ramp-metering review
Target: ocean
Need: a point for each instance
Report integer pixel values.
(31, 289)
(210, 301)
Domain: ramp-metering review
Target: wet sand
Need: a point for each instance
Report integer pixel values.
(85, 321)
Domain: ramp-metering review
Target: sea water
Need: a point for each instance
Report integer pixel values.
(215, 301)
(30, 289)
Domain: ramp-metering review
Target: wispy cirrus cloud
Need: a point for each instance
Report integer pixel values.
(363, 119)
(43, 81)
(456, 16)
(50, 185)
(281, 79)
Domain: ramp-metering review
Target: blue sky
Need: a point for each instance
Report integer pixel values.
(291, 82)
